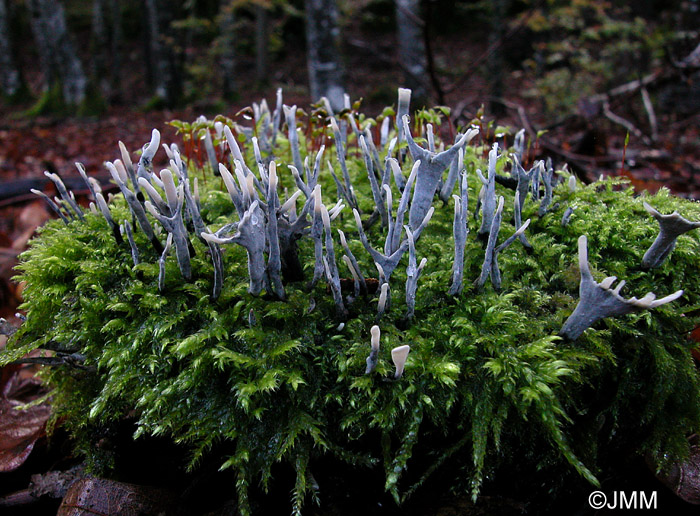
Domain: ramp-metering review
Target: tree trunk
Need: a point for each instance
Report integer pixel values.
(323, 54)
(412, 55)
(261, 39)
(10, 78)
(99, 46)
(56, 51)
(228, 48)
(167, 80)
(495, 61)
(116, 19)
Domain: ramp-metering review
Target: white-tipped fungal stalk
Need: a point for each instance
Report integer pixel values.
(145, 166)
(51, 204)
(383, 300)
(374, 352)
(67, 198)
(136, 208)
(599, 300)
(399, 356)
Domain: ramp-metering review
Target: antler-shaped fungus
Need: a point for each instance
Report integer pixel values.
(430, 171)
(670, 228)
(598, 300)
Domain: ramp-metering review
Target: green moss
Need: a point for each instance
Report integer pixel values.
(487, 381)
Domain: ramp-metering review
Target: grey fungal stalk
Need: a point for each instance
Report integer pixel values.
(51, 204)
(67, 198)
(401, 111)
(394, 233)
(290, 114)
(519, 220)
(274, 260)
(194, 210)
(455, 170)
(346, 187)
(519, 145)
(670, 228)
(126, 230)
(331, 266)
(490, 266)
(547, 178)
(136, 207)
(460, 230)
(599, 300)
(352, 264)
(524, 179)
(376, 192)
(429, 173)
(173, 223)
(413, 272)
(374, 353)
(104, 209)
(567, 216)
(387, 262)
(251, 235)
(488, 194)
(161, 263)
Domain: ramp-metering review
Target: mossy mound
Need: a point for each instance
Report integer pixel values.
(487, 383)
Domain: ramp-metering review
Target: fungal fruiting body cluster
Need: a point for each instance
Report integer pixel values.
(319, 231)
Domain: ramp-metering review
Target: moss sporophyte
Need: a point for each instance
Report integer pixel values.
(268, 298)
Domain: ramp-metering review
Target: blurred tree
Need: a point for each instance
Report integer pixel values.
(105, 48)
(57, 55)
(10, 77)
(323, 54)
(261, 41)
(412, 56)
(228, 47)
(166, 68)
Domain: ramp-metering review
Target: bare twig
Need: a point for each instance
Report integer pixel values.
(624, 123)
(649, 107)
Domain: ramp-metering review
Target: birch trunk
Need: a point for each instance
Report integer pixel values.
(412, 56)
(56, 51)
(323, 54)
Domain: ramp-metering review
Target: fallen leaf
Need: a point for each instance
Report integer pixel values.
(20, 427)
(98, 496)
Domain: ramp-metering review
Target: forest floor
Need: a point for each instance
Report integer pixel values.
(29, 146)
